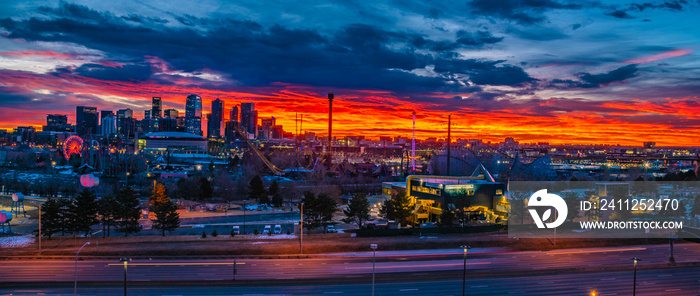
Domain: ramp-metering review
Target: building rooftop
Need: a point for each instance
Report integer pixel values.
(164, 135)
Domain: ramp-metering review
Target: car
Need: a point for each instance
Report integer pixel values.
(331, 229)
(198, 226)
(278, 229)
(427, 225)
(236, 229)
(267, 229)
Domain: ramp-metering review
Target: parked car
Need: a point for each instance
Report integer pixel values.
(278, 229)
(331, 229)
(198, 226)
(236, 229)
(267, 229)
(427, 225)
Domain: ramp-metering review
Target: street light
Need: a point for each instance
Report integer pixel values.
(75, 285)
(245, 203)
(634, 288)
(125, 261)
(301, 230)
(464, 274)
(374, 256)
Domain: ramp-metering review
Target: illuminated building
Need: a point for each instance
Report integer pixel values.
(156, 107)
(249, 119)
(486, 197)
(193, 115)
(215, 120)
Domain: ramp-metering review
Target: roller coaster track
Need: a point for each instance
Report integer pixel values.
(272, 167)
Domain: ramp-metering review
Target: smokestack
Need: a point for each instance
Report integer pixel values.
(330, 128)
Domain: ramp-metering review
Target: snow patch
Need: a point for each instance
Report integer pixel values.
(16, 241)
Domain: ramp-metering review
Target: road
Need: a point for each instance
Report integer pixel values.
(666, 282)
(348, 265)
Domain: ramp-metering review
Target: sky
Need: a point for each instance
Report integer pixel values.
(609, 72)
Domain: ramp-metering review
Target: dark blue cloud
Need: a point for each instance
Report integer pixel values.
(619, 74)
(526, 12)
(621, 14)
(354, 56)
(123, 73)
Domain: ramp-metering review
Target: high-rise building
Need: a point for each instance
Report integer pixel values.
(234, 114)
(57, 123)
(126, 126)
(266, 126)
(193, 114)
(249, 119)
(56, 120)
(156, 107)
(147, 114)
(108, 125)
(85, 120)
(215, 122)
(172, 113)
(105, 113)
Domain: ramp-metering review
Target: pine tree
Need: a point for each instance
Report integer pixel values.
(398, 208)
(107, 208)
(256, 189)
(67, 215)
(276, 197)
(167, 217)
(205, 189)
(358, 209)
(85, 211)
(51, 219)
(128, 211)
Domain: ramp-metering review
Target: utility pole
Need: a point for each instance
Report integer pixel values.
(449, 141)
(330, 129)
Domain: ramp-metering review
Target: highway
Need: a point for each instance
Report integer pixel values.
(346, 265)
(666, 282)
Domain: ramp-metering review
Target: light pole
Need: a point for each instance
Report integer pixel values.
(125, 261)
(301, 230)
(634, 288)
(464, 274)
(75, 285)
(374, 256)
(245, 203)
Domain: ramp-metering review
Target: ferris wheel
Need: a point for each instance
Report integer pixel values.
(73, 145)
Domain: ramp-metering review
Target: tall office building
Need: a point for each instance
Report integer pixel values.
(85, 120)
(125, 122)
(234, 114)
(266, 125)
(105, 113)
(147, 114)
(249, 119)
(232, 125)
(172, 113)
(57, 123)
(56, 120)
(193, 115)
(108, 125)
(215, 122)
(156, 107)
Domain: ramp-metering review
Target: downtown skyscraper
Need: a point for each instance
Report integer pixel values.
(216, 119)
(193, 115)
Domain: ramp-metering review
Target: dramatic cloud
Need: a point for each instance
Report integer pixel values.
(619, 74)
(537, 70)
(521, 11)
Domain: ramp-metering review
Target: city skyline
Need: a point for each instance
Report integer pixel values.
(559, 72)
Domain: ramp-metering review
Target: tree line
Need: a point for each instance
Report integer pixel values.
(120, 212)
